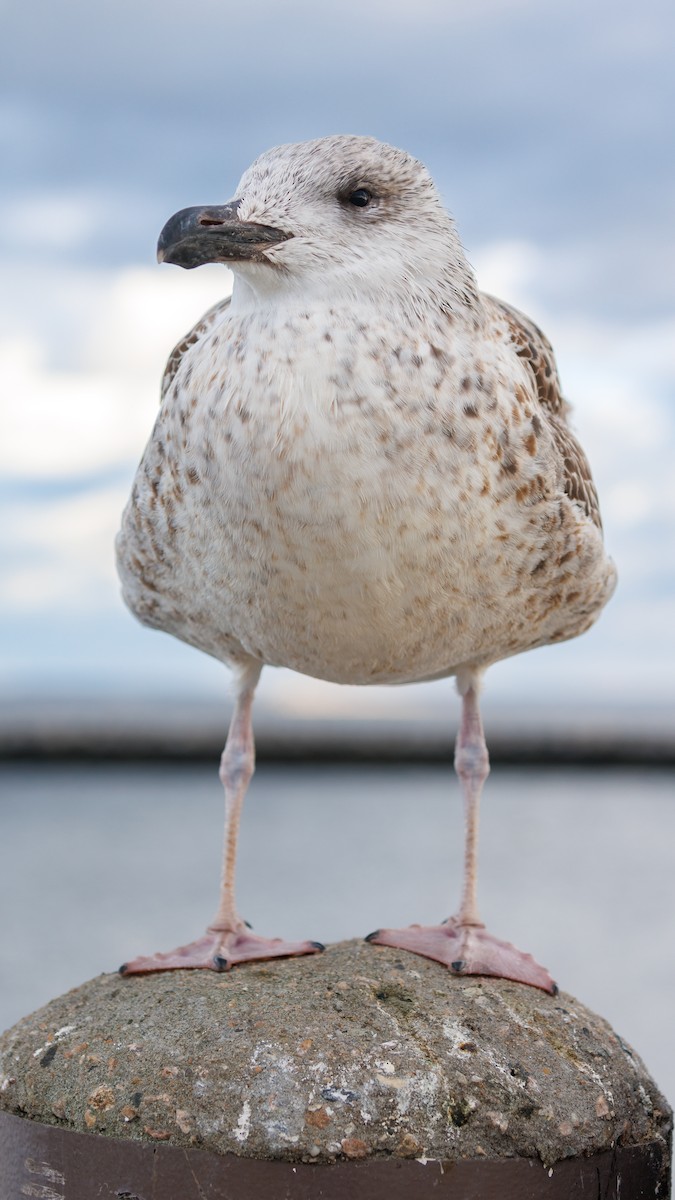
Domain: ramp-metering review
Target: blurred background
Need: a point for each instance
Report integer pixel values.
(549, 130)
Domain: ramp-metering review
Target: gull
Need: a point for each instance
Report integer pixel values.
(362, 470)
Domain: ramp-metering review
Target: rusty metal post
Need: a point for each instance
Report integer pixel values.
(56, 1164)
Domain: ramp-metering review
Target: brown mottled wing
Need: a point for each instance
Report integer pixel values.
(190, 339)
(536, 350)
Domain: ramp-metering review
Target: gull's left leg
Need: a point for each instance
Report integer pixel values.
(463, 943)
(228, 940)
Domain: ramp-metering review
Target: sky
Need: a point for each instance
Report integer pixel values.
(549, 130)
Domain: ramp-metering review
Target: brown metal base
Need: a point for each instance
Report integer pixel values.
(56, 1164)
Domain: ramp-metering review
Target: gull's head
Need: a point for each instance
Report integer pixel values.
(339, 216)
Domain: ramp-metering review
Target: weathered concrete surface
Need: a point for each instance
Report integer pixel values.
(358, 1052)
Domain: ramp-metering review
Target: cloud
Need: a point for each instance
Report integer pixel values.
(59, 555)
(97, 412)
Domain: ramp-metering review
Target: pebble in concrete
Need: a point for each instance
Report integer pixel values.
(363, 1051)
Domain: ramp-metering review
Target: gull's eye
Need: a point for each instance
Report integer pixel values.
(360, 198)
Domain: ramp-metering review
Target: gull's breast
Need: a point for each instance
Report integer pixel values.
(343, 518)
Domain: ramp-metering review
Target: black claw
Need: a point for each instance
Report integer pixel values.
(458, 965)
(248, 924)
(369, 936)
(318, 945)
(555, 989)
(122, 969)
(219, 962)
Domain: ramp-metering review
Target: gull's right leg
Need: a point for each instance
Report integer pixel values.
(228, 939)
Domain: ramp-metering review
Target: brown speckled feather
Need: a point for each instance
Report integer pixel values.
(536, 350)
(190, 339)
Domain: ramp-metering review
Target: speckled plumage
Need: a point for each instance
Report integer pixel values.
(362, 469)
(366, 494)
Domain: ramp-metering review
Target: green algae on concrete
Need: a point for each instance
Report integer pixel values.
(362, 1051)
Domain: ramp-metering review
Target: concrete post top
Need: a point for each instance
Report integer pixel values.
(358, 1053)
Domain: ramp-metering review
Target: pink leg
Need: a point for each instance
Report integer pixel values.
(463, 943)
(227, 940)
